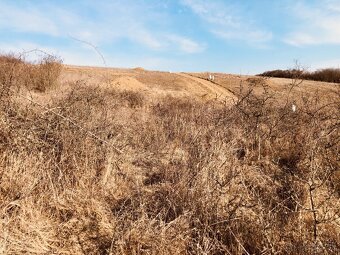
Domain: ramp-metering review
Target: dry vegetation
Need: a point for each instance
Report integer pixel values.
(326, 75)
(125, 175)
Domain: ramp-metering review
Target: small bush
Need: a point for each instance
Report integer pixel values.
(17, 73)
(44, 75)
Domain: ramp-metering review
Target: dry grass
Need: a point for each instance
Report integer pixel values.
(194, 177)
(40, 76)
(44, 75)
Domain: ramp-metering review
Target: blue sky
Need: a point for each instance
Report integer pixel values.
(239, 36)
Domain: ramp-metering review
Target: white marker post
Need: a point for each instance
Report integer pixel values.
(293, 107)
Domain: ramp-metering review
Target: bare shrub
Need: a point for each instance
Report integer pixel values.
(326, 75)
(41, 76)
(44, 75)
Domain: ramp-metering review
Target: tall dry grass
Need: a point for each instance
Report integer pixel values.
(40, 76)
(193, 177)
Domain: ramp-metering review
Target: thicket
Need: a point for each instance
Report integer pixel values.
(177, 176)
(326, 75)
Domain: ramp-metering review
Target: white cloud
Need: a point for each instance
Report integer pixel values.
(226, 21)
(333, 5)
(319, 23)
(145, 38)
(186, 44)
(330, 63)
(108, 22)
(252, 36)
(213, 12)
(26, 20)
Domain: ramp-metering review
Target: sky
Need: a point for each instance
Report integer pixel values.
(231, 36)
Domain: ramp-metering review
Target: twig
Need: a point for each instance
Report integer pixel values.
(95, 48)
(35, 50)
(239, 242)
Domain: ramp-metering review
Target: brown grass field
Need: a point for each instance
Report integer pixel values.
(130, 161)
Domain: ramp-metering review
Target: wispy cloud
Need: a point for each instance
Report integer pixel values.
(333, 5)
(108, 22)
(255, 37)
(227, 21)
(330, 63)
(185, 44)
(318, 23)
(28, 19)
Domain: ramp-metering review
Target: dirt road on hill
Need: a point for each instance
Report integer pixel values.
(212, 89)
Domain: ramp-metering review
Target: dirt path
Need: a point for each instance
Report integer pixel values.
(212, 89)
(153, 83)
